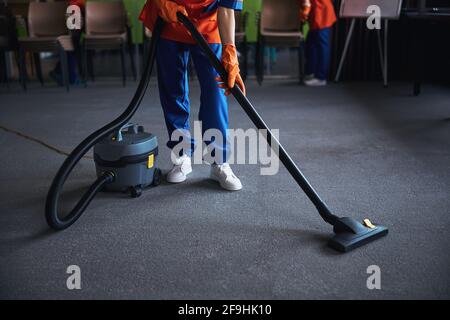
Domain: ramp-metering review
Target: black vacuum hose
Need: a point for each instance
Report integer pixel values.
(57, 223)
(51, 205)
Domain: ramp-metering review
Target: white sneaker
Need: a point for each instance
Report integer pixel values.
(223, 174)
(181, 168)
(314, 82)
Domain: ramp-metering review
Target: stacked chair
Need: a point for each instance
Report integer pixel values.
(47, 33)
(279, 26)
(107, 29)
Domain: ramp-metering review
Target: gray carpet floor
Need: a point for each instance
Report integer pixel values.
(370, 152)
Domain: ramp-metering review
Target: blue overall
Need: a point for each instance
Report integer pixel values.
(172, 61)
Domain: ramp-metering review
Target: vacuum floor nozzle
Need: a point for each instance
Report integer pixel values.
(351, 234)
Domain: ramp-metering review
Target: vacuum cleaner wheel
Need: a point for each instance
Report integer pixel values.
(157, 177)
(136, 191)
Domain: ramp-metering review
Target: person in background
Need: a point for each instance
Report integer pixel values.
(321, 17)
(56, 73)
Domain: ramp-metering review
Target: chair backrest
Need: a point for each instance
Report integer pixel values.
(280, 15)
(47, 19)
(104, 18)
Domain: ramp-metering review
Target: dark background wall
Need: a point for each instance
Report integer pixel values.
(363, 61)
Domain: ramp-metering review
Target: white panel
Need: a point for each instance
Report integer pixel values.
(390, 9)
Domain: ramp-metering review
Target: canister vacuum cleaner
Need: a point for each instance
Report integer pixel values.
(131, 155)
(126, 156)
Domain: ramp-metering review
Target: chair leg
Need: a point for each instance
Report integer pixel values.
(90, 64)
(64, 68)
(79, 58)
(37, 64)
(84, 66)
(22, 68)
(260, 61)
(256, 58)
(301, 61)
(7, 67)
(4, 76)
(122, 62)
(5, 61)
(146, 54)
(17, 61)
(145, 51)
(133, 65)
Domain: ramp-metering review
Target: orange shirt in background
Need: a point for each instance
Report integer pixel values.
(79, 3)
(322, 14)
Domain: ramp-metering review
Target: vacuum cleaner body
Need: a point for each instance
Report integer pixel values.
(132, 155)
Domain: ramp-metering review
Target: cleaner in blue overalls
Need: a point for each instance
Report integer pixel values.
(321, 17)
(214, 19)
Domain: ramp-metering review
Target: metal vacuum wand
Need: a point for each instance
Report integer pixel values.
(350, 233)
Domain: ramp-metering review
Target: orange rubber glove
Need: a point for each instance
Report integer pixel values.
(304, 13)
(168, 10)
(231, 65)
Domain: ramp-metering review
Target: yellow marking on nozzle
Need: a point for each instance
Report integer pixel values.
(368, 224)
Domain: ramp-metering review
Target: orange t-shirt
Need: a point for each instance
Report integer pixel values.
(203, 14)
(79, 3)
(322, 14)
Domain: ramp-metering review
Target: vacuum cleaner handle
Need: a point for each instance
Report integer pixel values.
(119, 136)
(260, 124)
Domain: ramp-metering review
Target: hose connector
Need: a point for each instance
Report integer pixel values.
(110, 176)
